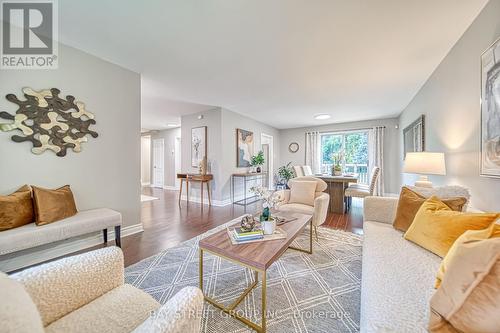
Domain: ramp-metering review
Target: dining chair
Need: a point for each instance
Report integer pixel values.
(361, 190)
(299, 172)
(307, 170)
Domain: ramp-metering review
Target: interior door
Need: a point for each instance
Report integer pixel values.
(177, 155)
(265, 149)
(265, 166)
(158, 162)
(266, 142)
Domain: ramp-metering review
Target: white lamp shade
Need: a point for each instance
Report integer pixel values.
(425, 163)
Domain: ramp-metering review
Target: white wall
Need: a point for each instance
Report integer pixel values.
(169, 136)
(107, 172)
(391, 147)
(450, 101)
(145, 159)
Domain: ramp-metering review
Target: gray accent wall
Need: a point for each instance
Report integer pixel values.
(450, 102)
(391, 146)
(107, 172)
(221, 148)
(213, 120)
(230, 122)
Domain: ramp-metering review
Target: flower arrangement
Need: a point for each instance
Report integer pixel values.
(337, 159)
(271, 200)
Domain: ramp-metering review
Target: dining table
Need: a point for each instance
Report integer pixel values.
(336, 188)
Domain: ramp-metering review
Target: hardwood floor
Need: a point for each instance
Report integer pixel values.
(167, 225)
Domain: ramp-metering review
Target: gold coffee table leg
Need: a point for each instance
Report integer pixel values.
(310, 251)
(231, 308)
(264, 296)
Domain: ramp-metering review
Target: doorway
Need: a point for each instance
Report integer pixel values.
(145, 160)
(177, 157)
(158, 163)
(266, 142)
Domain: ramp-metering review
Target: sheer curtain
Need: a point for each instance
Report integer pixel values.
(313, 151)
(376, 156)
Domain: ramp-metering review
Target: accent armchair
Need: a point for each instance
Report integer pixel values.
(87, 293)
(319, 202)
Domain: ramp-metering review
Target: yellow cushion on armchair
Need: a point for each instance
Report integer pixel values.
(436, 226)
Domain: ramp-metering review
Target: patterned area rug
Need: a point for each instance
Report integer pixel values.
(305, 293)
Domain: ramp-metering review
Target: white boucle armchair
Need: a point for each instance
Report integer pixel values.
(87, 293)
(319, 210)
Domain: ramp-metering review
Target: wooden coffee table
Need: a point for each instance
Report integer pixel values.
(256, 256)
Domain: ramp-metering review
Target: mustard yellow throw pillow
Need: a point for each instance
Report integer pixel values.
(53, 205)
(468, 240)
(16, 209)
(436, 226)
(409, 203)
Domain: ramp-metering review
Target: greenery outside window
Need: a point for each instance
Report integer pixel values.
(354, 144)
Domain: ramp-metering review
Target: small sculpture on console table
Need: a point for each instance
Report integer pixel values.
(203, 166)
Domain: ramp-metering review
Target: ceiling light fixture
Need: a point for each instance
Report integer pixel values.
(322, 116)
(172, 125)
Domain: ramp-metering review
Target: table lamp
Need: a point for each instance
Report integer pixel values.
(424, 163)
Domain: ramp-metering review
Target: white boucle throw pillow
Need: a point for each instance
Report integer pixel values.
(302, 192)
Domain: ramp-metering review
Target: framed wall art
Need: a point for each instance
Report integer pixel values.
(198, 145)
(490, 111)
(414, 136)
(244, 148)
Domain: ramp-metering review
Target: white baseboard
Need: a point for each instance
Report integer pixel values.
(216, 203)
(145, 184)
(14, 261)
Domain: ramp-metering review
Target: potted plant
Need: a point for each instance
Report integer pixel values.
(285, 173)
(258, 160)
(337, 159)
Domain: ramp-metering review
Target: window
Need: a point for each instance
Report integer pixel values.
(355, 148)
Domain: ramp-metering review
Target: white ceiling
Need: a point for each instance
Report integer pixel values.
(160, 112)
(279, 61)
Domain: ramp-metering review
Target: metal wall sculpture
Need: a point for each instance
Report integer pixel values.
(49, 122)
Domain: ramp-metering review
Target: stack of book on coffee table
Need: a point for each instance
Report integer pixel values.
(241, 235)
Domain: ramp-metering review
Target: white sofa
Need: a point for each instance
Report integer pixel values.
(84, 222)
(397, 275)
(87, 293)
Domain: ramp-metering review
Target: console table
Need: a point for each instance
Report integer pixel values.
(195, 177)
(247, 177)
